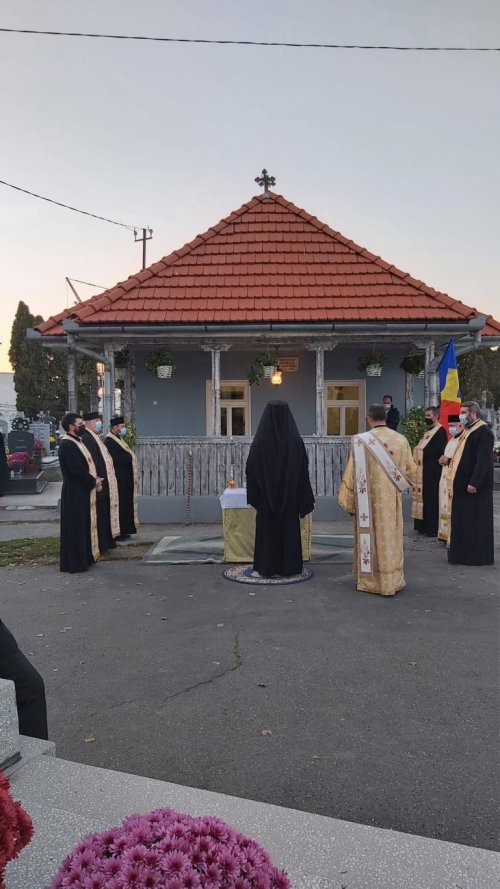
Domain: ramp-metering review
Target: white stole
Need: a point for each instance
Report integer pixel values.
(361, 443)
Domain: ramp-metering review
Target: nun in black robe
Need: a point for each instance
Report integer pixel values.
(124, 470)
(471, 537)
(76, 541)
(279, 488)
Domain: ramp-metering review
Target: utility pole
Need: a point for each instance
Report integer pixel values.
(147, 234)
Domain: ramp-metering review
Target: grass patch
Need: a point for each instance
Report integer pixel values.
(45, 551)
(42, 551)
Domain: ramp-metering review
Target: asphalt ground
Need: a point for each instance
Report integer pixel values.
(377, 710)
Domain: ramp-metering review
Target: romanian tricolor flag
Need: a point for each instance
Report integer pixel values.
(448, 384)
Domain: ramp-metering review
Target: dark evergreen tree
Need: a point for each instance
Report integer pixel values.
(479, 372)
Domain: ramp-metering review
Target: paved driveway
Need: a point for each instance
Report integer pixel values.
(314, 696)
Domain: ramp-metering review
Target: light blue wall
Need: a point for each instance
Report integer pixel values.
(180, 408)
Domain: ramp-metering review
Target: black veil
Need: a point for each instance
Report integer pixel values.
(277, 467)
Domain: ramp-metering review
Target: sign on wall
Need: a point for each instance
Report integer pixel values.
(289, 365)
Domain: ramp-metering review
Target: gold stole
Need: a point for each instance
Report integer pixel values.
(361, 443)
(444, 515)
(94, 538)
(417, 504)
(453, 466)
(134, 470)
(114, 502)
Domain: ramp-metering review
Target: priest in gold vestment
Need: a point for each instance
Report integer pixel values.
(380, 468)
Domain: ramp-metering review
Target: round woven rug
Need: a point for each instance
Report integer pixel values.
(246, 574)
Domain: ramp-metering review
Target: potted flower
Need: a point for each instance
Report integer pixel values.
(16, 827)
(414, 364)
(263, 367)
(18, 462)
(372, 363)
(166, 848)
(161, 364)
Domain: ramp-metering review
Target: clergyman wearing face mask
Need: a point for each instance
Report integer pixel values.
(125, 466)
(108, 523)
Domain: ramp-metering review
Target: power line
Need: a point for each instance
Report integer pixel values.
(252, 42)
(33, 194)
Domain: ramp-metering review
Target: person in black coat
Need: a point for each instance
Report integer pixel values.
(427, 453)
(125, 464)
(471, 468)
(391, 413)
(4, 468)
(279, 488)
(91, 440)
(79, 542)
(30, 690)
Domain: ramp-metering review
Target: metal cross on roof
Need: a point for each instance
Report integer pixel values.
(265, 181)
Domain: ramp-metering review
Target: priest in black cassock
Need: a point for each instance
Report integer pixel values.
(279, 488)
(470, 539)
(125, 466)
(108, 522)
(79, 540)
(425, 503)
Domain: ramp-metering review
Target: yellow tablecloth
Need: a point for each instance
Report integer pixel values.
(239, 534)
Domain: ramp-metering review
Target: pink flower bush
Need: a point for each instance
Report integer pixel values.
(168, 850)
(16, 828)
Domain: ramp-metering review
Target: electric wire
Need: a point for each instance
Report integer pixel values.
(270, 43)
(33, 194)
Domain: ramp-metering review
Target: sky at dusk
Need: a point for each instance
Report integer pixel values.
(397, 150)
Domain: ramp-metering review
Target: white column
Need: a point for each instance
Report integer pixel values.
(320, 391)
(108, 402)
(215, 351)
(72, 388)
(319, 349)
(216, 392)
(430, 376)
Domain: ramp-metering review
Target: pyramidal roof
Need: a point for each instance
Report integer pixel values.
(269, 261)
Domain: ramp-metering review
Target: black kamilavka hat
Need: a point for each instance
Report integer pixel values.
(92, 415)
(115, 421)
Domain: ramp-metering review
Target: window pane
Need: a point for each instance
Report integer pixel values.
(351, 420)
(342, 393)
(238, 420)
(223, 421)
(333, 421)
(232, 393)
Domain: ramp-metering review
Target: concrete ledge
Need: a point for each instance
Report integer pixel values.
(10, 751)
(30, 749)
(28, 484)
(68, 800)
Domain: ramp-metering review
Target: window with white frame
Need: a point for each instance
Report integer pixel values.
(345, 407)
(234, 407)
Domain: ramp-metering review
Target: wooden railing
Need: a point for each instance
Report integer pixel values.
(203, 466)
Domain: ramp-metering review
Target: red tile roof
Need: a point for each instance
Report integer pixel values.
(269, 261)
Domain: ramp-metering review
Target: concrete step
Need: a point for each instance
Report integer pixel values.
(68, 800)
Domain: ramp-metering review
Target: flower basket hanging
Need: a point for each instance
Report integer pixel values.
(372, 363)
(161, 364)
(262, 368)
(414, 365)
(164, 371)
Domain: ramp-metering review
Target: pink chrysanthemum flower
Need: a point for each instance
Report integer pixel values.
(167, 850)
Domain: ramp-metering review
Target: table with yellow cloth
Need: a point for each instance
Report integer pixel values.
(238, 523)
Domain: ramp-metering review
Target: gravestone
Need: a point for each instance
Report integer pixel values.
(21, 441)
(41, 431)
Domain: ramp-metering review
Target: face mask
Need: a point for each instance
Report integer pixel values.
(79, 430)
(464, 419)
(429, 422)
(387, 407)
(122, 432)
(452, 430)
(98, 426)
